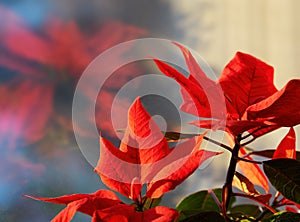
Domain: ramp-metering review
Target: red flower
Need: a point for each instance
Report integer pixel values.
(60, 48)
(59, 51)
(154, 164)
(125, 213)
(144, 157)
(253, 103)
(104, 205)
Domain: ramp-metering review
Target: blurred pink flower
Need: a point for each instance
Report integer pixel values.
(56, 54)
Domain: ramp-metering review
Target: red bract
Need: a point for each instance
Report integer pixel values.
(105, 206)
(245, 81)
(143, 150)
(85, 203)
(253, 103)
(18, 102)
(144, 157)
(287, 147)
(125, 213)
(61, 49)
(58, 51)
(282, 108)
(254, 172)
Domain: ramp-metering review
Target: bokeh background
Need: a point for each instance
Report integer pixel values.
(46, 45)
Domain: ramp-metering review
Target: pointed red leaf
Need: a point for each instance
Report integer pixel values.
(205, 85)
(68, 213)
(119, 175)
(246, 80)
(128, 213)
(202, 96)
(244, 184)
(13, 28)
(196, 73)
(189, 164)
(85, 203)
(59, 45)
(143, 143)
(287, 147)
(195, 91)
(285, 201)
(144, 157)
(291, 209)
(101, 217)
(282, 108)
(18, 100)
(253, 172)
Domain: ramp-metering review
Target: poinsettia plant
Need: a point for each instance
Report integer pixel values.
(145, 166)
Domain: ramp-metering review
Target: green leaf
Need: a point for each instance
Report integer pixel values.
(285, 217)
(269, 153)
(210, 216)
(150, 203)
(200, 202)
(284, 174)
(246, 209)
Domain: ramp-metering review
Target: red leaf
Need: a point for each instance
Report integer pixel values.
(253, 172)
(291, 209)
(144, 157)
(189, 165)
(204, 94)
(128, 213)
(285, 201)
(206, 86)
(282, 108)
(85, 203)
(246, 80)
(68, 213)
(61, 45)
(13, 29)
(244, 184)
(18, 101)
(193, 88)
(196, 73)
(287, 147)
(235, 127)
(101, 217)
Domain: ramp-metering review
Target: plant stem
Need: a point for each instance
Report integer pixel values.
(213, 195)
(249, 161)
(227, 188)
(218, 143)
(248, 142)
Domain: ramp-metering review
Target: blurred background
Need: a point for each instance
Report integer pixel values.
(46, 45)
